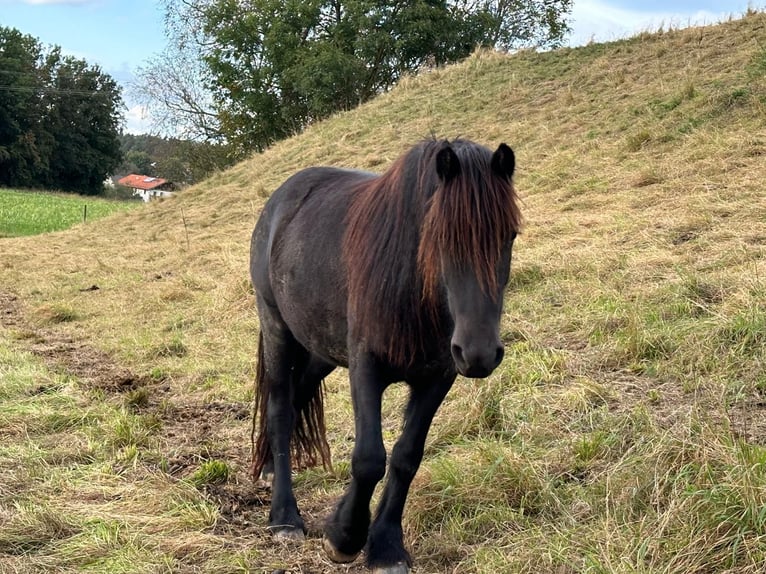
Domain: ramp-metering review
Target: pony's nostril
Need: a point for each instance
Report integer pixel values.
(499, 354)
(457, 353)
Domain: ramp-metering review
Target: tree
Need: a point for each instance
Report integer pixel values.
(20, 108)
(59, 118)
(172, 88)
(138, 162)
(281, 65)
(83, 115)
(272, 67)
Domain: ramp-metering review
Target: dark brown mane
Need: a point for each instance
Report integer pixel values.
(400, 226)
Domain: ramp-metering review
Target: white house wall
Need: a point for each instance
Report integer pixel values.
(148, 194)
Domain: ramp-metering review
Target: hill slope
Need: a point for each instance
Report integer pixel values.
(624, 432)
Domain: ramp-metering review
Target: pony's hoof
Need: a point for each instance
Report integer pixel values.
(335, 555)
(289, 535)
(398, 568)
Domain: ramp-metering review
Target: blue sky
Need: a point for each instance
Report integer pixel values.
(120, 35)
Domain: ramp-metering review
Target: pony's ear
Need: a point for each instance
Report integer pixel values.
(503, 161)
(447, 163)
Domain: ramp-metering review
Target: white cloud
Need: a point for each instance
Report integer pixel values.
(137, 120)
(596, 20)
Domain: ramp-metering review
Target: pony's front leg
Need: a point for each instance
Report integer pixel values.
(346, 530)
(385, 552)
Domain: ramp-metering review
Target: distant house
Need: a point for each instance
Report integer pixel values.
(147, 187)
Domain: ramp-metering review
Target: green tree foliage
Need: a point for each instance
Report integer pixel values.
(181, 161)
(59, 118)
(279, 65)
(137, 161)
(272, 67)
(20, 108)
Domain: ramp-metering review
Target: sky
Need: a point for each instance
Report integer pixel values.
(122, 35)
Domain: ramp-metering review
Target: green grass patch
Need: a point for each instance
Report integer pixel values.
(32, 213)
(211, 472)
(57, 313)
(77, 476)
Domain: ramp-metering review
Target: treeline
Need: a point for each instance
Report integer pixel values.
(60, 118)
(181, 161)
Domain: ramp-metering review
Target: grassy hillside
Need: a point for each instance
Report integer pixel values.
(624, 432)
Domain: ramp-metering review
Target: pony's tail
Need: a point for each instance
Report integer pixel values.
(310, 435)
(309, 440)
(259, 441)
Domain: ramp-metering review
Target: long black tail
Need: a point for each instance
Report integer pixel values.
(309, 440)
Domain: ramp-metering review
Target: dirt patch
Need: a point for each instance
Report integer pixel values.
(10, 309)
(241, 507)
(665, 399)
(669, 405)
(748, 420)
(64, 354)
(95, 368)
(212, 412)
(195, 432)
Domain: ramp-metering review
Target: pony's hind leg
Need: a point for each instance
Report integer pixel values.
(307, 376)
(276, 391)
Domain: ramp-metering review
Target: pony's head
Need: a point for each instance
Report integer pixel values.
(465, 248)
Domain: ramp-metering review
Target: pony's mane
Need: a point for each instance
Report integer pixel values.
(400, 227)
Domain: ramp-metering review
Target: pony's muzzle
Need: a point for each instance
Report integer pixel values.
(475, 361)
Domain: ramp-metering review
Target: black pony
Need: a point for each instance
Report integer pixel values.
(399, 277)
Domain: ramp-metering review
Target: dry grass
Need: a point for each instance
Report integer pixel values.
(624, 432)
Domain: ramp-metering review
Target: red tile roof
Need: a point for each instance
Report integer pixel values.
(141, 181)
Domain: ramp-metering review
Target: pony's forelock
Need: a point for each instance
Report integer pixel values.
(469, 220)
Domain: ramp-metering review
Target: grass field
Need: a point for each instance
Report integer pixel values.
(31, 213)
(625, 431)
